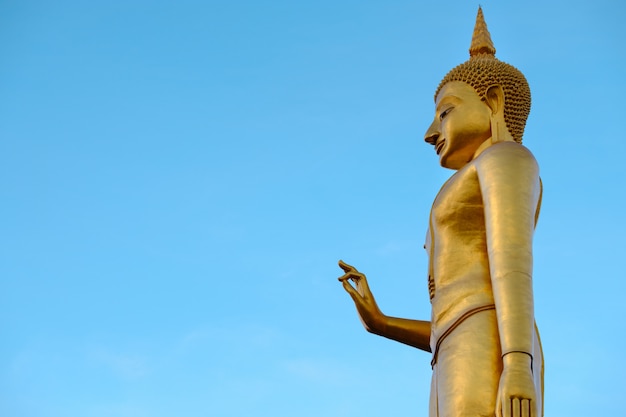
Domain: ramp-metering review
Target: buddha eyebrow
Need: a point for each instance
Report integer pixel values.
(446, 99)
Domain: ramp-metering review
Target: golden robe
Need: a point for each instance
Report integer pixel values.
(480, 233)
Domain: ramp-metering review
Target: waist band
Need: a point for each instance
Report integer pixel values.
(454, 326)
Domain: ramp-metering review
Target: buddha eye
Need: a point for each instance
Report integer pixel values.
(445, 113)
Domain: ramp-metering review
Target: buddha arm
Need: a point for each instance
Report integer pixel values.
(414, 333)
(509, 181)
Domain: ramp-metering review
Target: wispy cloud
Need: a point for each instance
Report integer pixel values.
(127, 366)
(119, 410)
(251, 335)
(320, 371)
(398, 246)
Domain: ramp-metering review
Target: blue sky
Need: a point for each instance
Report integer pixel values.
(179, 179)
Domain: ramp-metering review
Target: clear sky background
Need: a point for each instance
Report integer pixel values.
(179, 179)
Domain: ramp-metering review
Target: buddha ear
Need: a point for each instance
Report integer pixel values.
(494, 97)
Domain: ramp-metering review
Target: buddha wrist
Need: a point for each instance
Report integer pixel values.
(517, 357)
(378, 325)
(517, 351)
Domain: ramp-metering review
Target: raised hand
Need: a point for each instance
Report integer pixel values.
(369, 313)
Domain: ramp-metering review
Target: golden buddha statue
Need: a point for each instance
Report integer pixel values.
(486, 353)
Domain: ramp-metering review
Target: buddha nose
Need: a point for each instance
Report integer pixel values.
(432, 134)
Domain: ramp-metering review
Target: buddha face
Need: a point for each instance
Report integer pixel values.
(462, 123)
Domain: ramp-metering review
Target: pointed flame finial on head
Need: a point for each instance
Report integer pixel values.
(483, 70)
(481, 39)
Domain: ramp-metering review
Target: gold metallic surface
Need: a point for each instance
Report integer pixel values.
(486, 352)
(481, 38)
(484, 70)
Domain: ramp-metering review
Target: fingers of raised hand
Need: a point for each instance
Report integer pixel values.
(349, 288)
(346, 267)
(354, 276)
(350, 272)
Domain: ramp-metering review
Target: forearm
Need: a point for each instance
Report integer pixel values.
(414, 333)
(513, 296)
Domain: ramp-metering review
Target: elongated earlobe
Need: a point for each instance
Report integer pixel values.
(494, 97)
(499, 132)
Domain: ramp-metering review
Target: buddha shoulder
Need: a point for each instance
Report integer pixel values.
(507, 157)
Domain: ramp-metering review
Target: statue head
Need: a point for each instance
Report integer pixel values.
(483, 71)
